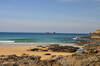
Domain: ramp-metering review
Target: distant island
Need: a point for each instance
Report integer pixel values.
(50, 32)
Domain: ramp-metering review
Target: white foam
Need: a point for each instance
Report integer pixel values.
(32, 43)
(68, 44)
(7, 41)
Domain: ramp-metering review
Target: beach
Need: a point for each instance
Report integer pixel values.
(39, 56)
(20, 50)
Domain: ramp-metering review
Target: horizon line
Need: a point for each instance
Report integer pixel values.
(44, 32)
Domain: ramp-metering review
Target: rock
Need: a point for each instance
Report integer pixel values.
(90, 50)
(2, 55)
(12, 56)
(47, 54)
(50, 63)
(44, 50)
(57, 48)
(35, 49)
(9, 64)
(53, 45)
(42, 46)
(26, 62)
(32, 57)
(38, 49)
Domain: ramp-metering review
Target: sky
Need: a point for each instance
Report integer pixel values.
(63, 16)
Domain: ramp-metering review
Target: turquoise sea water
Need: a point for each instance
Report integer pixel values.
(39, 37)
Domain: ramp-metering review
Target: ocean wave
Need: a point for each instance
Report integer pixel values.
(7, 41)
(13, 43)
(34, 43)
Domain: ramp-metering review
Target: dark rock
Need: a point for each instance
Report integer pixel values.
(35, 49)
(9, 64)
(26, 62)
(32, 57)
(44, 50)
(47, 54)
(53, 45)
(2, 55)
(57, 48)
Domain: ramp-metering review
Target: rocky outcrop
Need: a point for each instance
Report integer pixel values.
(26, 60)
(91, 50)
(90, 56)
(58, 48)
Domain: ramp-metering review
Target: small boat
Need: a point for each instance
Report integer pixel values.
(76, 38)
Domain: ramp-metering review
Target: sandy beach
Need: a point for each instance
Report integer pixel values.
(19, 50)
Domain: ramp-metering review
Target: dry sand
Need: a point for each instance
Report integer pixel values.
(19, 50)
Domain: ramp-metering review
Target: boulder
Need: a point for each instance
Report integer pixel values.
(47, 54)
(35, 49)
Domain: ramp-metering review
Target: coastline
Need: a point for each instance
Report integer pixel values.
(12, 55)
(33, 44)
(23, 49)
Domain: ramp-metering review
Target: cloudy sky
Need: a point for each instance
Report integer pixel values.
(49, 15)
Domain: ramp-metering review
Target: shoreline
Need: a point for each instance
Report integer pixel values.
(32, 43)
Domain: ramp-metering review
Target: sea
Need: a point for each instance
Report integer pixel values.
(22, 38)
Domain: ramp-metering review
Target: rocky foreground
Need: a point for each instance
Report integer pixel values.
(90, 56)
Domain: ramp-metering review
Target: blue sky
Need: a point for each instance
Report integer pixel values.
(49, 15)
